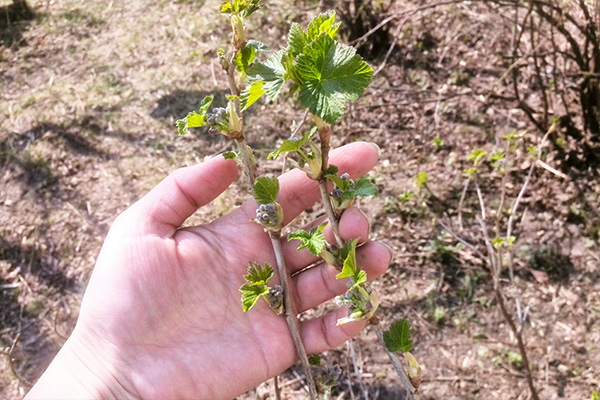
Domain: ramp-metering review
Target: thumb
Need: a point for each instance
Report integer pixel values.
(180, 194)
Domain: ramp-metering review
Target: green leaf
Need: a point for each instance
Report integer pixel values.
(230, 155)
(314, 240)
(323, 23)
(257, 45)
(244, 58)
(194, 119)
(290, 145)
(272, 72)
(364, 187)
(397, 338)
(330, 75)
(350, 269)
(259, 274)
(421, 179)
(339, 182)
(251, 94)
(332, 170)
(349, 254)
(296, 39)
(266, 190)
(315, 360)
(242, 7)
(251, 294)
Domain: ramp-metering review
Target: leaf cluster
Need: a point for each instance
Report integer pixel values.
(258, 277)
(323, 72)
(313, 240)
(243, 8)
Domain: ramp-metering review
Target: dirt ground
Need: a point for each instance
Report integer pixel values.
(89, 92)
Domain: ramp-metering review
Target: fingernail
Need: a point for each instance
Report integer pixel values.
(366, 217)
(390, 250)
(377, 148)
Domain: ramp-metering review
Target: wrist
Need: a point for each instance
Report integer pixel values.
(81, 371)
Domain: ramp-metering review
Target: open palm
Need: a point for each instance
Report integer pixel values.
(162, 312)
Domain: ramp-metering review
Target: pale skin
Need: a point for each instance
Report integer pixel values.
(161, 316)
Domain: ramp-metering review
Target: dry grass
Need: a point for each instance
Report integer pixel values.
(89, 92)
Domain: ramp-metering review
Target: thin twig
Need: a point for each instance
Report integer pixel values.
(357, 371)
(290, 314)
(461, 201)
(294, 133)
(410, 391)
(276, 387)
(11, 362)
(251, 172)
(333, 219)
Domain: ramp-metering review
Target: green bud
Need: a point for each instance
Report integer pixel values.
(239, 32)
(235, 123)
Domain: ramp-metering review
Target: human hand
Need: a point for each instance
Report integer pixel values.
(162, 318)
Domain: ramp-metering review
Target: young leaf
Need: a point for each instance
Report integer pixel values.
(292, 144)
(364, 187)
(272, 72)
(194, 119)
(266, 190)
(258, 274)
(314, 240)
(324, 23)
(350, 269)
(421, 179)
(251, 94)
(299, 39)
(242, 7)
(230, 155)
(330, 75)
(244, 58)
(296, 39)
(258, 46)
(251, 294)
(397, 338)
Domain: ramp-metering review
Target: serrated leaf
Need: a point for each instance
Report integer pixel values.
(314, 240)
(251, 294)
(272, 72)
(266, 190)
(364, 187)
(194, 119)
(259, 274)
(258, 46)
(182, 126)
(330, 75)
(296, 39)
(332, 170)
(244, 58)
(323, 23)
(290, 145)
(397, 338)
(251, 94)
(349, 269)
(242, 7)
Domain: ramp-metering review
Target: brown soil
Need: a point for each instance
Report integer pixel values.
(89, 92)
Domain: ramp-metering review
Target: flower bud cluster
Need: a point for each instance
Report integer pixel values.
(328, 376)
(270, 215)
(339, 192)
(218, 119)
(275, 299)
